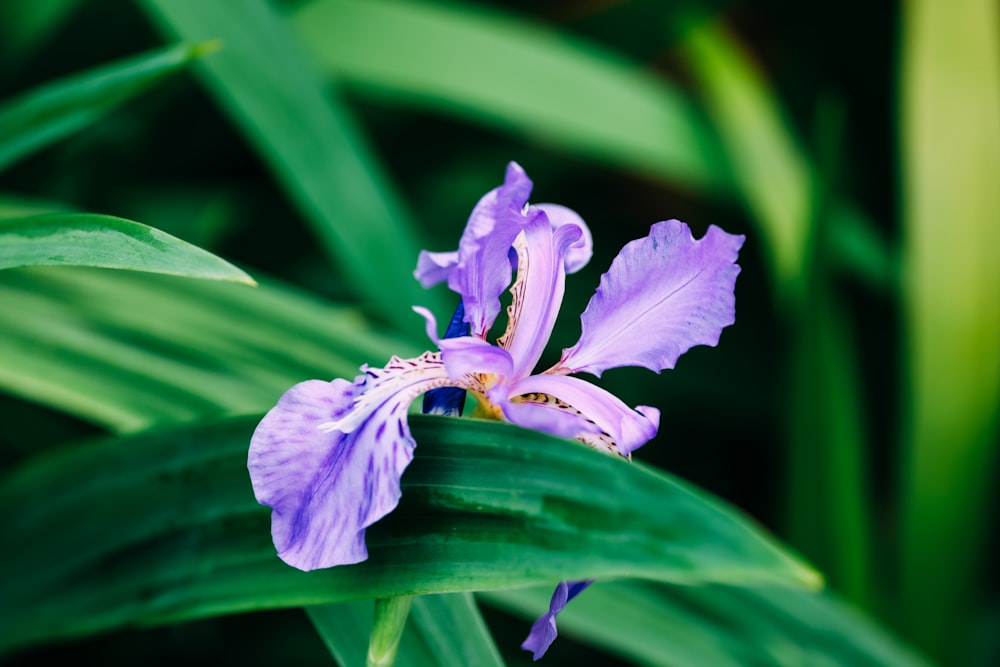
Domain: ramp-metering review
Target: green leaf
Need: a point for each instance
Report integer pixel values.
(516, 75)
(84, 239)
(722, 626)
(163, 527)
(772, 173)
(47, 114)
(273, 93)
(127, 350)
(950, 156)
(444, 631)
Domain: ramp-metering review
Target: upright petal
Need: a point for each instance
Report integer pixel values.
(328, 458)
(484, 270)
(569, 407)
(435, 267)
(579, 253)
(663, 294)
(544, 632)
(537, 291)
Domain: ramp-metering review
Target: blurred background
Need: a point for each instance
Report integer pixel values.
(851, 410)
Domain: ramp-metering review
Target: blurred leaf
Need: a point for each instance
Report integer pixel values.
(443, 631)
(128, 350)
(84, 239)
(772, 173)
(16, 206)
(721, 626)
(164, 527)
(517, 75)
(274, 94)
(47, 114)
(950, 153)
(26, 24)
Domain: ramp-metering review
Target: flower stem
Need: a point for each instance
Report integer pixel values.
(390, 619)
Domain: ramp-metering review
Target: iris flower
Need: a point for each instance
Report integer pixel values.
(328, 458)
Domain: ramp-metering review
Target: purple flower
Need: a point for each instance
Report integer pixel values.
(328, 458)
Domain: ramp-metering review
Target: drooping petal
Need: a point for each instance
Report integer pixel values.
(663, 294)
(569, 407)
(544, 631)
(328, 458)
(580, 252)
(434, 267)
(483, 270)
(537, 291)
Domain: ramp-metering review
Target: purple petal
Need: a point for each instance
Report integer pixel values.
(537, 291)
(663, 294)
(569, 407)
(544, 632)
(434, 267)
(448, 400)
(580, 252)
(328, 458)
(484, 270)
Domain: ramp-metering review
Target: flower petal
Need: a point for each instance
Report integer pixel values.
(537, 291)
(580, 252)
(544, 632)
(434, 267)
(663, 294)
(484, 270)
(328, 458)
(569, 407)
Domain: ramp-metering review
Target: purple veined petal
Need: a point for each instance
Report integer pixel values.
(537, 291)
(434, 267)
(328, 458)
(580, 252)
(484, 270)
(544, 631)
(569, 407)
(663, 294)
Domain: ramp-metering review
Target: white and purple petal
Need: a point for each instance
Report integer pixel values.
(663, 294)
(328, 459)
(537, 291)
(579, 253)
(544, 632)
(569, 407)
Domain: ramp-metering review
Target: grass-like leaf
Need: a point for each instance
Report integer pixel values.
(164, 527)
(718, 625)
(47, 114)
(518, 76)
(273, 92)
(127, 350)
(83, 239)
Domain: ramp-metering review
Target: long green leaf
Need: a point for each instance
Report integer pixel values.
(164, 526)
(83, 239)
(722, 626)
(45, 115)
(127, 350)
(273, 93)
(518, 76)
(950, 150)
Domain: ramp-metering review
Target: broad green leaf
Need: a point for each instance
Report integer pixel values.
(85, 239)
(772, 174)
(443, 631)
(950, 157)
(163, 526)
(516, 75)
(42, 116)
(722, 626)
(273, 93)
(127, 350)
